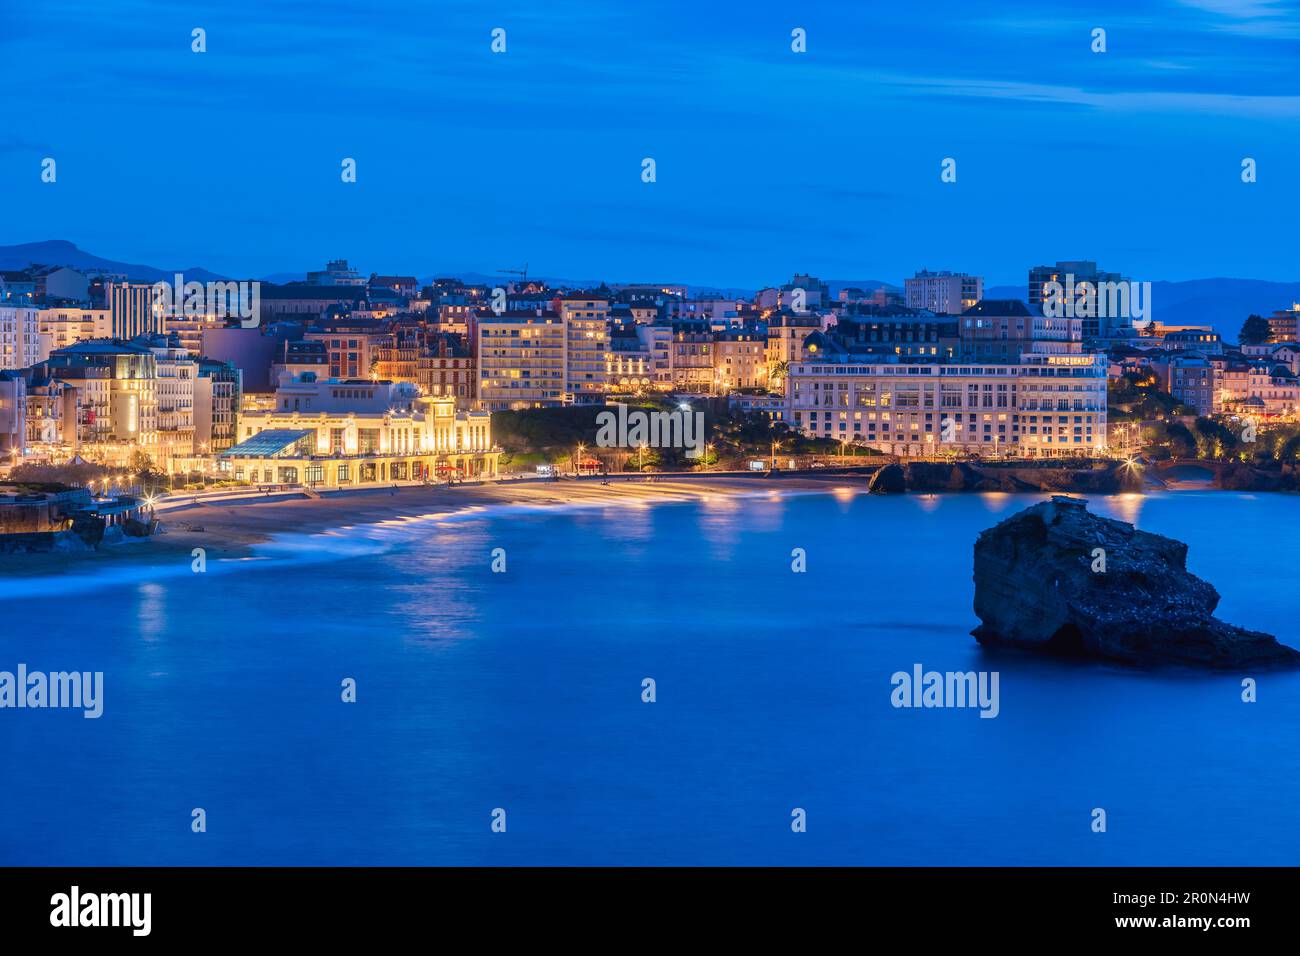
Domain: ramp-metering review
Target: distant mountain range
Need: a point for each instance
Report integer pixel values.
(60, 252)
(1222, 303)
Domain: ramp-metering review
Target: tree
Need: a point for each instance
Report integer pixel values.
(1181, 439)
(1254, 331)
(645, 457)
(1214, 439)
(141, 463)
(776, 374)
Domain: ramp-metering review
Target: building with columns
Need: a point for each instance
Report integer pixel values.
(340, 432)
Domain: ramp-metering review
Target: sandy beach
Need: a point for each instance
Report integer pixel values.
(231, 528)
(241, 523)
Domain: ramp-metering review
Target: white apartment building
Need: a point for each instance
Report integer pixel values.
(943, 293)
(175, 374)
(657, 340)
(20, 336)
(521, 361)
(1044, 406)
(65, 326)
(586, 322)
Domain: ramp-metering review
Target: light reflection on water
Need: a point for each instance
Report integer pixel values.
(522, 689)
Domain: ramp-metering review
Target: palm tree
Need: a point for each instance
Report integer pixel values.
(776, 372)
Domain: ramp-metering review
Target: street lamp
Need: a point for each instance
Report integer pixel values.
(577, 465)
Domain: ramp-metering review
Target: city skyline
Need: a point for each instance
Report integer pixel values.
(71, 254)
(830, 158)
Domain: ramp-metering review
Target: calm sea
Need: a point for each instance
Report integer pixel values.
(522, 691)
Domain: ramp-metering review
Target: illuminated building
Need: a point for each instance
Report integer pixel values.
(1041, 406)
(20, 339)
(739, 359)
(339, 432)
(586, 367)
(943, 293)
(521, 360)
(116, 409)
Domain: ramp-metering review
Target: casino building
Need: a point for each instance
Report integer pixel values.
(336, 433)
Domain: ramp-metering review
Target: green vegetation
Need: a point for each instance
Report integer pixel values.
(1254, 331)
(522, 461)
(1135, 397)
(141, 465)
(33, 487)
(549, 434)
(139, 471)
(65, 475)
(732, 438)
(1218, 439)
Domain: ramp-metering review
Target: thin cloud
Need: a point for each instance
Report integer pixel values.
(1268, 19)
(1131, 101)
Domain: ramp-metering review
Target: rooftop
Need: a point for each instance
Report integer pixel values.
(1001, 307)
(267, 444)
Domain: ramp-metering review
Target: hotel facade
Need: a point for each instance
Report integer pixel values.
(1043, 406)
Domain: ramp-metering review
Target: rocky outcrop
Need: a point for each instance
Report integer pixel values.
(43, 542)
(89, 527)
(135, 528)
(1242, 477)
(930, 476)
(888, 480)
(1058, 579)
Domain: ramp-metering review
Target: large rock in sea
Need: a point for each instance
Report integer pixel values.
(1035, 588)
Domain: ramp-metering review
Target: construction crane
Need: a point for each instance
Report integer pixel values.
(523, 273)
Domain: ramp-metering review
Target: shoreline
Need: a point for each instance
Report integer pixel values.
(228, 529)
(251, 521)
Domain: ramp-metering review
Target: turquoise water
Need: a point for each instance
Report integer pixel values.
(522, 690)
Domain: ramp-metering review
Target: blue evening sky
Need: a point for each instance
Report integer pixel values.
(769, 162)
